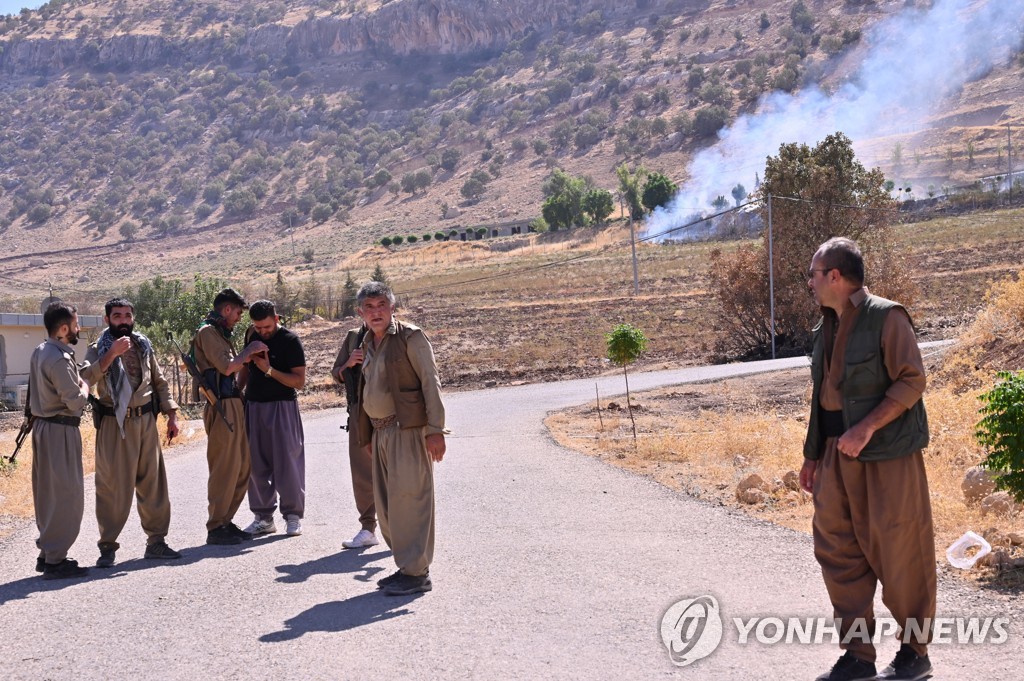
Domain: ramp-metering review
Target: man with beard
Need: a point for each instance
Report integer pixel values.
(57, 396)
(132, 389)
(278, 455)
(227, 445)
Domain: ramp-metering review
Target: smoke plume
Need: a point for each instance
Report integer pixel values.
(913, 60)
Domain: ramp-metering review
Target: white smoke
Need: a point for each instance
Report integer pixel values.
(914, 59)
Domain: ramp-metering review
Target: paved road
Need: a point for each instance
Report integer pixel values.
(549, 564)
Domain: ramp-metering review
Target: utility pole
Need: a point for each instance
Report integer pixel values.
(1009, 165)
(632, 245)
(771, 276)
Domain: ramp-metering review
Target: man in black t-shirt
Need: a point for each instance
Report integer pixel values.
(271, 381)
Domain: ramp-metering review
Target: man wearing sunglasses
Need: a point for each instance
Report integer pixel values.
(863, 464)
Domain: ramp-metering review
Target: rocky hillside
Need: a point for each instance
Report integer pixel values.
(193, 131)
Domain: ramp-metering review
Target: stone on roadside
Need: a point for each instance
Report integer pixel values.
(792, 481)
(1016, 538)
(999, 503)
(752, 489)
(752, 496)
(978, 483)
(740, 461)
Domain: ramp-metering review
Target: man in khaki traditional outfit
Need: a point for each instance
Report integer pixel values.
(401, 423)
(346, 370)
(227, 449)
(863, 464)
(132, 390)
(57, 396)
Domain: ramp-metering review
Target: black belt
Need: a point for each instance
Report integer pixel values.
(831, 423)
(133, 412)
(74, 421)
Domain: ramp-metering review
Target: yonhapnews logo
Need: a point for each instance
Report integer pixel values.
(691, 629)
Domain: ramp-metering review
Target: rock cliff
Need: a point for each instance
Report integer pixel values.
(402, 27)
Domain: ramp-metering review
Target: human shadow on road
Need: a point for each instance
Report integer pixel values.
(351, 560)
(338, 616)
(23, 588)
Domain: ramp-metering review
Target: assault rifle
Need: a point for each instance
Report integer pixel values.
(205, 388)
(26, 428)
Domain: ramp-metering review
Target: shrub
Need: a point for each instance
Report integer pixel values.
(203, 211)
(386, 241)
(397, 240)
(428, 236)
(710, 120)
(1001, 432)
(412, 238)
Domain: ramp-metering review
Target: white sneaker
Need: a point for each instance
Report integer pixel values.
(261, 526)
(362, 539)
(293, 525)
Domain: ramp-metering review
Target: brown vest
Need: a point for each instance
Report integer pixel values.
(403, 384)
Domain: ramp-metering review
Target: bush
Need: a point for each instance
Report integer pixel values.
(450, 159)
(439, 236)
(321, 212)
(240, 202)
(1001, 432)
(397, 240)
(204, 210)
(39, 213)
(386, 241)
(710, 120)
(427, 236)
(412, 238)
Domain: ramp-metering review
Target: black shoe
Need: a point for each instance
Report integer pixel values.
(161, 551)
(66, 569)
(106, 558)
(40, 563)
(850, 668)
(406, 585)
(390, 579)
(222, 536)
(908, 666)
(239, 532)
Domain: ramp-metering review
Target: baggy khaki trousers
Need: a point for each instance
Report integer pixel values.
(58, 492)
(126, 468)
(403, 489)
(873, 523)
(227, 456)
(361, 465)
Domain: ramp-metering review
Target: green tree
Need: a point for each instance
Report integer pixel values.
(625, 344)
(473, 189)
(598, 204)
(379, 275)
(658, 191)
(240, 202)
(450, 158)
(839, 198)
(739, 192)
(563, 206)
(348, 293)
(630, 189)
(1001, 432)
(128, 230)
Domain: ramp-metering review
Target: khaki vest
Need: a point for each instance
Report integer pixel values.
(403, 384)
(865, 381)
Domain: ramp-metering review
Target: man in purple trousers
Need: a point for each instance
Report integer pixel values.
(271, 381)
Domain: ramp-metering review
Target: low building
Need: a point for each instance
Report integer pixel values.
(19, 336)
